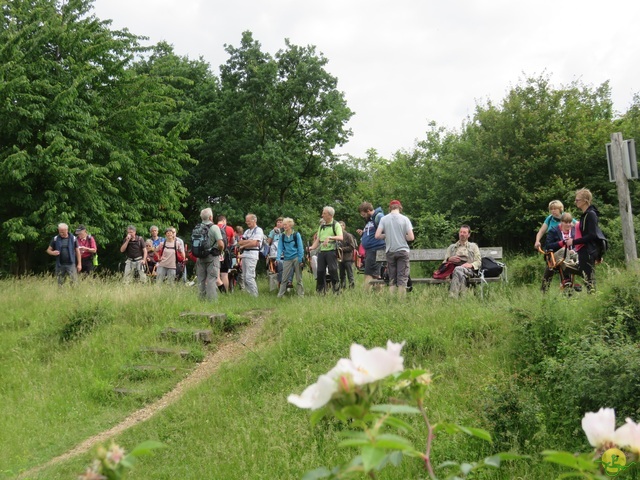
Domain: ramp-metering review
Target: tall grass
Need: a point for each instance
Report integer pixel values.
(60, 369)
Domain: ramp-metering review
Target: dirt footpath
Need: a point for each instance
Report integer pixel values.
(229, 350)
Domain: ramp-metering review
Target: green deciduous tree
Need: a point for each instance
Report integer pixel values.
(79, 129)
(273, 129)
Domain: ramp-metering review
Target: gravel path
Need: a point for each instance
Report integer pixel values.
(229, 350)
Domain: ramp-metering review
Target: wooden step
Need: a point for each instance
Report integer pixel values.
(165, 351)
(213, 317)
(204, 336)
(145, 368)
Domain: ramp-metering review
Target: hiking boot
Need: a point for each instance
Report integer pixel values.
(577, 287)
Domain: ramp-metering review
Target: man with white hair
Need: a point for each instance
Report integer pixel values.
(208, 268)
(329, 234)
(64, 247)
(250, 245)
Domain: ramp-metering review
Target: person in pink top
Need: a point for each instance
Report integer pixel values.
(88, 248)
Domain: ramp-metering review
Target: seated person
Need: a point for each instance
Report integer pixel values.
(466, 256)
(566, 256)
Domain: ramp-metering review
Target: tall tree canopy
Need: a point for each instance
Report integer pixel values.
(273, 129)
(79, 134)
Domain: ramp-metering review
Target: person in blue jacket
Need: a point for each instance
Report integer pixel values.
(369, 241)
(291, 251)
(64, 247)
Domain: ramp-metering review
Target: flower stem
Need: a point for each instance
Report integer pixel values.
(427, 453)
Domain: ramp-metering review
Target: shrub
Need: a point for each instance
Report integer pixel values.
(83, 321)
(514, 414)
(592, 373)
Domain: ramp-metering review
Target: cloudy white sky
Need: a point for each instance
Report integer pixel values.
(404, 63)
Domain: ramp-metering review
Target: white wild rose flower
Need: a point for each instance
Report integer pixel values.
(628, 435)
(364, 366)
(600, 427)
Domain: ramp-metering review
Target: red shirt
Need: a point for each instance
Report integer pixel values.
(88, 242)
(229, 231)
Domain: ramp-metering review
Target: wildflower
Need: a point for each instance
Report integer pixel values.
(628, 435)
(316, 395)
(91, 474)
(364, 366)
(600, 427)
(115, 454)
(377, 363)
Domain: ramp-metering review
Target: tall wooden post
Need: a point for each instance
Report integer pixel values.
(624, 201)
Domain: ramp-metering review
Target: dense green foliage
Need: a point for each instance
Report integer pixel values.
(97, 130)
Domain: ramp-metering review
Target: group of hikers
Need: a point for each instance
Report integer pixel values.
(226, 257)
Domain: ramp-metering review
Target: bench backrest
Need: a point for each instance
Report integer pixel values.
(437, 254)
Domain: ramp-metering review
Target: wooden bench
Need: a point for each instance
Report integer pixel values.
(437, 255)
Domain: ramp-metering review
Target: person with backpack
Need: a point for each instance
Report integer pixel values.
(64, 247)
(274, 262)
(206, 245)
(88, 248)
(349, 246)
(169, 257)
(329, 234)
(291, 251)
(590, 241)
(135, 248)
(396, 230)
(369, 241)
(228, 237)
(251, 243)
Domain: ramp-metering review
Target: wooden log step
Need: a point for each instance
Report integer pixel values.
(204, 336)
(220, 317)
(165, 351)
(127, 391)
(144, 368)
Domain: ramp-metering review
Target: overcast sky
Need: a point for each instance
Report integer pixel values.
(404, 63)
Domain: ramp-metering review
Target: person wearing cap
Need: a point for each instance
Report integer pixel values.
(466, 256)
(88, 248)
(64, 247)
(396, 231)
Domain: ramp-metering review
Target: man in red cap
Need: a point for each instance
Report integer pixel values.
(396, 230)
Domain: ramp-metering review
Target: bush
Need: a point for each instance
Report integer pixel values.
(83, 321)
(591, 374)
(514, 415)
(536, 335)
(526, 270)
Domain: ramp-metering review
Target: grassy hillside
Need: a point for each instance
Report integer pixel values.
(64, 351)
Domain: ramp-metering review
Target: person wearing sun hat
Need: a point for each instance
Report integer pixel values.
(397, 231)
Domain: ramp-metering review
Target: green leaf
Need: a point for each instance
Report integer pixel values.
(371, 458)
(395, 409)
(145, 448)
(397, 423)
(454, 428)
(465, 468)
(354, 442)
(393, 442)
(321, 472)
(318, 415)
(566, 459)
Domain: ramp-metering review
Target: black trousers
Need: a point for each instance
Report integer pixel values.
(327, 260)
